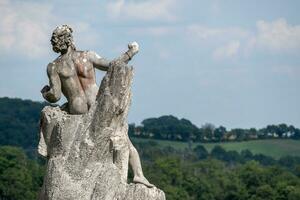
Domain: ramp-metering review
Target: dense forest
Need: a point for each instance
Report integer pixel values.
(192, 174)
(19, 122)
(185, 174)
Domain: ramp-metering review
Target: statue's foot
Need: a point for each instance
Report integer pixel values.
(143, 181)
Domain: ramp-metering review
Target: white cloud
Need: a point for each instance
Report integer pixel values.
(222, 42)
(276, 36)
(200, 32)
(228, 51)
(146, 10)
(26, 28)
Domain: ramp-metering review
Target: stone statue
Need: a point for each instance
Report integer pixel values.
(73, 74)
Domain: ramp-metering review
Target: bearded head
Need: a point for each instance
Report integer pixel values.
(62, 39)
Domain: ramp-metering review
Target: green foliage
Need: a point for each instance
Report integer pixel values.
(201, 152)
(20, 178)
(212, 179)
(170, 127)
(180, 173)
(19, 121)
(275, 148)
(222, 175)
(199, 171)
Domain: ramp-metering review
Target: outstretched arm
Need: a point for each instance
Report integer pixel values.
(133, 48)
(52, 93)
(103, 64)
(98, 62)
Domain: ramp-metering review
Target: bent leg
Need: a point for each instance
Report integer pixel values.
(135, 163)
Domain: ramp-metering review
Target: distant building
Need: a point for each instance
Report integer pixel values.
(253, 136)
(288, 134)
(229, 136)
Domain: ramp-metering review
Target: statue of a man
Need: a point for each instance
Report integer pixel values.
(73, 74)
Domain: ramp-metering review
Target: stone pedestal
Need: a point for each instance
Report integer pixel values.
(88, 154)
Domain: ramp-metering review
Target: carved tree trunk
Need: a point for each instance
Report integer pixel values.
(88, 154)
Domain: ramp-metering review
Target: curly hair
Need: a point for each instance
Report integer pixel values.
(62, 38)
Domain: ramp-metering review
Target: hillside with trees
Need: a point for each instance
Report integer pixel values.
(19, 121)
(223, 175)
(191, 173)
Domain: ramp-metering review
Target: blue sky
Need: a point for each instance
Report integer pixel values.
(232, 63)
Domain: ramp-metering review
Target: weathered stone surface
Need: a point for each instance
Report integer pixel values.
(88, 154)
(141, 192)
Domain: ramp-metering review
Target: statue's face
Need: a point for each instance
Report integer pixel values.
(62, 39)
(59, 46)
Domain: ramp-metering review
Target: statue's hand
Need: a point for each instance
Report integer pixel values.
(45, 89)
(134, 47)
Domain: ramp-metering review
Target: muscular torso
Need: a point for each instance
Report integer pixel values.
(77, 76)
(85, 69)
(70, 84)
(86, 75)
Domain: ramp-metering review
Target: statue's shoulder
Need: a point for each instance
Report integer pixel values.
(88, 54)
(51, 67)
(92, 55)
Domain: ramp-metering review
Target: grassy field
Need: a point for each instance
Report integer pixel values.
(272, 147)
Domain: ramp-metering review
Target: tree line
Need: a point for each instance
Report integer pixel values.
(172, 128)
(19, 126)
